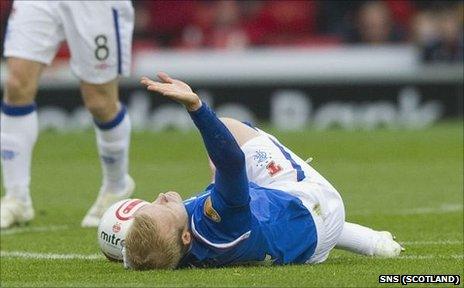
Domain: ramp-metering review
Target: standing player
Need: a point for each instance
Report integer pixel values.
(265, 205)
(99, 34)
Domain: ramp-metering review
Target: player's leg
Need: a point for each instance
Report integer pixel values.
(99, 35)
(366, 241)
(18, 135)
(241, 132)
(31, 41)
(112, 129)
(271, 164)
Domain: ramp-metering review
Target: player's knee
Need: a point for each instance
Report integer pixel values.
(21, 83)
(241, 132)
(102, 109)
(18, 90)
(101, 100)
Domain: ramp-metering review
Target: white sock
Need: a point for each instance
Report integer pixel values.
(113, 140)
(358, 239)
(19, 131)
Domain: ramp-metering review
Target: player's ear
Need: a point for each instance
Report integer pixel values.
(186, 237)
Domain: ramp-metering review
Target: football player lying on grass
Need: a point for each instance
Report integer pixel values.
(265, 205)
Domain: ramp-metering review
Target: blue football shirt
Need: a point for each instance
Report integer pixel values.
(235, 221)
(274, 227)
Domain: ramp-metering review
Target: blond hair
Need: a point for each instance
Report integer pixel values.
(147, 247)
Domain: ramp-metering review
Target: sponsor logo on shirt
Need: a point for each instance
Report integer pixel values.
(273, 168)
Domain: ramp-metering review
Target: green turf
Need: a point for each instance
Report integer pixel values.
(409, 182)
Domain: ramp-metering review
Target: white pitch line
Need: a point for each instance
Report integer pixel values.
(54, 256)
(453, 256)
(32, 229)
(49, 256)
(442, 209)
(442, 257)
(439, 242)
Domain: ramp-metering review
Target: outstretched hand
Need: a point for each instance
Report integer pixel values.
(173, 89)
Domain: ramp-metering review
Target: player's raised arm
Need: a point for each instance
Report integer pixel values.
(231, 179)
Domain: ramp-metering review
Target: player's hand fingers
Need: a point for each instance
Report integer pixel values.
(163, 89)
(165, 77)
(156, 87)
(146, 81)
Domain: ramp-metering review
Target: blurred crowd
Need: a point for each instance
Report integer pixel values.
(436, 26)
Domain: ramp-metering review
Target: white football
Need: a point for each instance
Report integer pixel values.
(114, 225)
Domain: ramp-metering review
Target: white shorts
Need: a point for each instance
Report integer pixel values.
(98, 33)
(272, 165)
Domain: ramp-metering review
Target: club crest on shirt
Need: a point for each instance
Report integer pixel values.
(209, 211)
(273, 168)
(260, 156)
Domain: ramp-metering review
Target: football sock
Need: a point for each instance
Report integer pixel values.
(358, 239)
(113, 139)
(19, 131)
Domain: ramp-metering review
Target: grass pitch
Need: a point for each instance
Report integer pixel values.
(407, 182)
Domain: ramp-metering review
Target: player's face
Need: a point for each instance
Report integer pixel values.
(169, 209)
